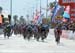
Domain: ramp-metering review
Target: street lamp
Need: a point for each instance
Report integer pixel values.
(47, 9)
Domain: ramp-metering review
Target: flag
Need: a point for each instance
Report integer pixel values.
(67, 12)
(1, 19)
(66, 15)
(36, 16)
(67, 9)
(57, 11)
(39, 21)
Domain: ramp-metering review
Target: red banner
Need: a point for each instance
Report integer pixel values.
(66, 2)
(71, 3)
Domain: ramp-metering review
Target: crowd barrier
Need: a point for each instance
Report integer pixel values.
(68, 34)
(65, 34)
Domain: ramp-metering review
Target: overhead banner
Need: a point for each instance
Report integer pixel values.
(71, 3)
(66, 2)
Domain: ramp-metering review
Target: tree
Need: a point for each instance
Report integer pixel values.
(22, 20)
(15, 18)
(9, 17)
(52, 4)
(1, 10)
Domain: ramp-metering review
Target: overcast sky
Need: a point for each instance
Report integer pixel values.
(22, 7)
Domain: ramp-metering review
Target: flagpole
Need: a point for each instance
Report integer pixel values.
(11, 9)
(36, 7)
(47, 9)
(33, 12)
(40, 7)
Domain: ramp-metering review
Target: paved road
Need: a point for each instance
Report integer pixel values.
(16, 44)
(1, 31)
